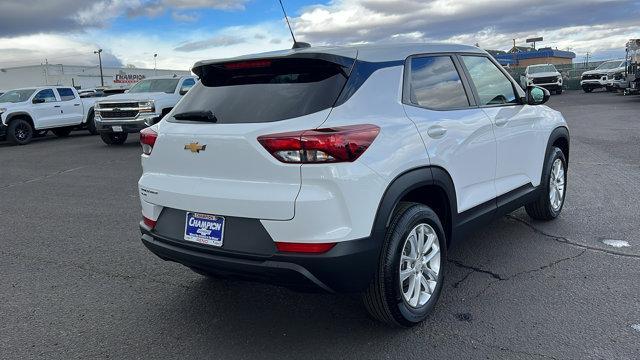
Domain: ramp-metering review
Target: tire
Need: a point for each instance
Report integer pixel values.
(62, 132)
(20, 132)
(385, 299)
(587, 89)
(91, 124)
(114, 138)
(544, 207)
(559, 92)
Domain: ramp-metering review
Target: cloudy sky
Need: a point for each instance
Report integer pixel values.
(184, 31)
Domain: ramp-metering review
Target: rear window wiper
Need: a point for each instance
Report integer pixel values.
(206, 116)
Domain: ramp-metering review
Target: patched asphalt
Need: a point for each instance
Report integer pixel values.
(76, 283)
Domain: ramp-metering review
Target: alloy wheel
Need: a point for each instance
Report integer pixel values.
(419, 265)
(557, 185)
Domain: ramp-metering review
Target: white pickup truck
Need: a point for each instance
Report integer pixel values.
(25, 113)
(604, 76)
(544, 75)
(143, 105)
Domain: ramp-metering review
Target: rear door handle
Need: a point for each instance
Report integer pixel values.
(57, 106)
(436, 131)
(76, 104)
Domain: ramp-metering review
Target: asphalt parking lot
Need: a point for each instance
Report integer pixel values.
(77, 283)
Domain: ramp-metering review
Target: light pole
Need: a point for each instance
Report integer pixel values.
(99, 51)
(155, 72)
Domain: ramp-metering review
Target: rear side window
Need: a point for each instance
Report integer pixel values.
(265, 90)
(66, 94)
(434, 83)
(493, 87)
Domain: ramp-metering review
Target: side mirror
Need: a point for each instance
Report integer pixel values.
(184, 90)
(38, 101)
(537, 95)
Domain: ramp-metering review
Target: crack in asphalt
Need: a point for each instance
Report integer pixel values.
(567, 241)
(499, 277)
(557, 238)
(56, 173)
(460, 264)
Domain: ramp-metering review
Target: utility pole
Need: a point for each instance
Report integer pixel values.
(99, 51)
(587, 64)
(155, 72)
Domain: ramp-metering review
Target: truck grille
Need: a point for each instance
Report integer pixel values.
(119, 114)
(545, 80)
(591, 76)
(118, 105)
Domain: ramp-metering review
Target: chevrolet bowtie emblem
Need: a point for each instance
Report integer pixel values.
(195, 147)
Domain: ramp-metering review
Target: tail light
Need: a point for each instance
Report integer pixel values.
(150, 223)
(330, 145)
(148, 140)
(304, 248)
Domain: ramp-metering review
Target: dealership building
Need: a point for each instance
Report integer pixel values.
(82, 77)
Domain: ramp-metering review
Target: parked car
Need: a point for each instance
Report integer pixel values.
(606, 75)
(143, 105)
(347, 169)
(24, 113)
(544, 75)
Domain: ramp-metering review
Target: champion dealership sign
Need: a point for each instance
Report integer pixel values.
(124, 78)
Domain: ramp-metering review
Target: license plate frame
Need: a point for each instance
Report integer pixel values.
(116, 128)
(207, 229)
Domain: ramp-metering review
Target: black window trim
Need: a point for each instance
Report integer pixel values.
(406, 87)
(517, 90)
(60, 95)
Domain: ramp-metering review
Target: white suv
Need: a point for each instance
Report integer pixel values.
(347, 169)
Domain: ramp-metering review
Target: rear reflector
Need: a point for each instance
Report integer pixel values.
(304, 248)
(329, 145)
(148, 140)
(150, 223)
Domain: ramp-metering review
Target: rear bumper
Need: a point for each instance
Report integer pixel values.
(346, 268)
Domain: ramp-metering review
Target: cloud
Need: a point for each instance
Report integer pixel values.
(184, 17)
(216, 41)
(211, 4)
(356, 21)
(22, 17)
(34, 49)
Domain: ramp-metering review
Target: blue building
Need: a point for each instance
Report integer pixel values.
(520, 56)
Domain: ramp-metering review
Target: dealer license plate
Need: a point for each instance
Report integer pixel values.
(204, 228)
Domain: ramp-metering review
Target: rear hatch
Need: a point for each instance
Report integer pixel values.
(207, 157)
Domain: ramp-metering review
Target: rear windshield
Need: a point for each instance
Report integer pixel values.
(265, 90)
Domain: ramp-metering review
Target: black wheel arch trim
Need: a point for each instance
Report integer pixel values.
(402, 185)
(561, 132)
